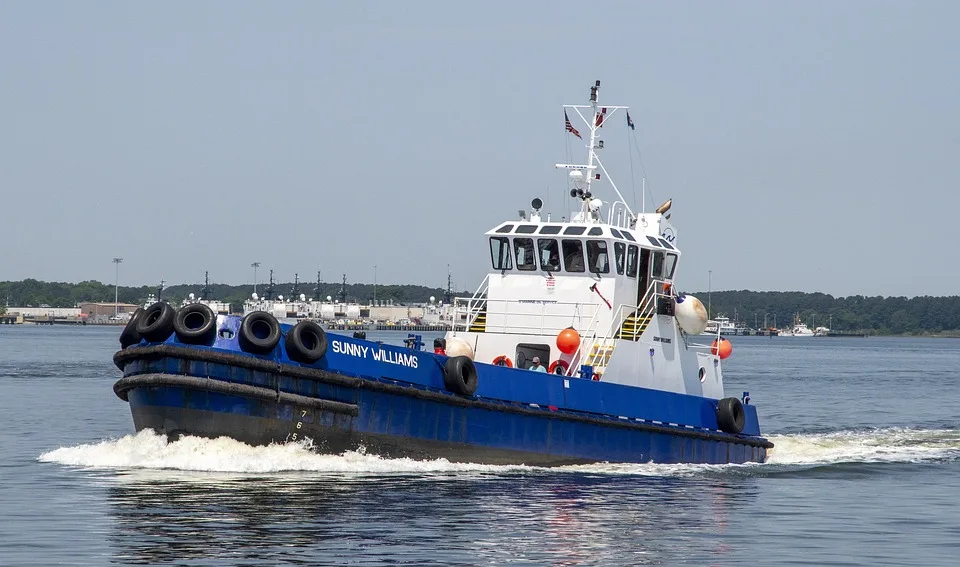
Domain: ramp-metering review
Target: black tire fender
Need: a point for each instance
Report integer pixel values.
(306, 342)
(460, 375)
(129, 335)
(156, 322)
(259, 332)
(730, 415)
(195, 324)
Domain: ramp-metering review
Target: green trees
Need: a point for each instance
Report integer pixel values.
(861, 314)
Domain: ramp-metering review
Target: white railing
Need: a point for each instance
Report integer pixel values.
(646, 308)
(525, 316)
(619, 215)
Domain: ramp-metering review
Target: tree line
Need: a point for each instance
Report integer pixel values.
(876, 315)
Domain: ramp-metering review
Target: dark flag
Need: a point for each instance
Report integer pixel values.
(630, 121)
(570, 127)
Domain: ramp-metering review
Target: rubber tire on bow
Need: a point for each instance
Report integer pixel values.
(252, 326)
(306, 342)
(460, 375)
(129, 335)
(156, 322)
(195, 324)
(730, 415)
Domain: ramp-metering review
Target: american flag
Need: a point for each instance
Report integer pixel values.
(570, 127)
(630, 121)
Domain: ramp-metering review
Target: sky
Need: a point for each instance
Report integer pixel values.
(807, 146)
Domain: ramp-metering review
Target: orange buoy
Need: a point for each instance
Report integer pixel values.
(568, 340)
(722, 348)
(561, 363)
(503, 360)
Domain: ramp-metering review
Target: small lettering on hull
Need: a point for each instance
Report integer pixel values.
(662, 340)
(379, 355)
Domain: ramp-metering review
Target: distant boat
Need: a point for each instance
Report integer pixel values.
(722, 325)
(799, 329)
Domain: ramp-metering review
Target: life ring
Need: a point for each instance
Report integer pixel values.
(259, 332)
(156, 322)
(503, 360)
(129, 335)
(195, 324)
(460, 375)
(306, 342)
(730, 415)
(563, 364)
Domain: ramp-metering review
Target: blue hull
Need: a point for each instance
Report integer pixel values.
(392, 402)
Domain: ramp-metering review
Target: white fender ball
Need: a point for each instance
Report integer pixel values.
(690, 314)
(459, 347)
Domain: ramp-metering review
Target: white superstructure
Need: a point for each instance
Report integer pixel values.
(608, 273)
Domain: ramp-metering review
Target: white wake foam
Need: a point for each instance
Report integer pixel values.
(147, 450)
(888, 445)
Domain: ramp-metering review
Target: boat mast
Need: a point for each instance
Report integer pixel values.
(598, 116)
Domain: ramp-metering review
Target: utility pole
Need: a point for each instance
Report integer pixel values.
(374, 284)
(116, 290)
(255, 265)
(709, 285)
(205, 292)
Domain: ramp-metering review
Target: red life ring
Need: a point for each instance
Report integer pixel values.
(561, 363)
(503, 360)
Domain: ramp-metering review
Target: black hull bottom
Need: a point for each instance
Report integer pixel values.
(176, 422)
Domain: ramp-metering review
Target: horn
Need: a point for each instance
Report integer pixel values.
(664, 207)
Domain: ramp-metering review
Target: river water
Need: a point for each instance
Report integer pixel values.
(866, 472)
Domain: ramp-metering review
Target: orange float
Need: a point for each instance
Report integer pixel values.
(561, 363)
(503, 360)
(722, 348)
(568, 340)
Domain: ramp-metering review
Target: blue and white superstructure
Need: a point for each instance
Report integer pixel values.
(629, 376)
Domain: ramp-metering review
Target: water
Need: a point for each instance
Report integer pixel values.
(866, 472)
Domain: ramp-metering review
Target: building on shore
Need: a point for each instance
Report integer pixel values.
(98, 311)
(30, 312)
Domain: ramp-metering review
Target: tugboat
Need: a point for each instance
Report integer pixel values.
(625, 376)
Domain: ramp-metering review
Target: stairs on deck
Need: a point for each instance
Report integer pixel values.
(599, 356)
(479, 323)
(633, 326)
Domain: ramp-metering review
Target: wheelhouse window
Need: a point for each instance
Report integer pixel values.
(549, 255)
(573, 255)
(597, 257)
(574, 230)
(526, 254)
(670, 266)
(620, 253)
(505, 228)
(657, 264)
(500, 253)
(551, 229)
(632, 261)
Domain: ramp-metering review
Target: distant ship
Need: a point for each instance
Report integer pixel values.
(799, 329)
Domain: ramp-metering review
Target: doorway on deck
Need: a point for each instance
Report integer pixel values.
(643, 278)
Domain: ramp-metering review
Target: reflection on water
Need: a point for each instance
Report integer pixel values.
(449, 519)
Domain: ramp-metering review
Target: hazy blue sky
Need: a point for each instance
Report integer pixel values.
(809, 146)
